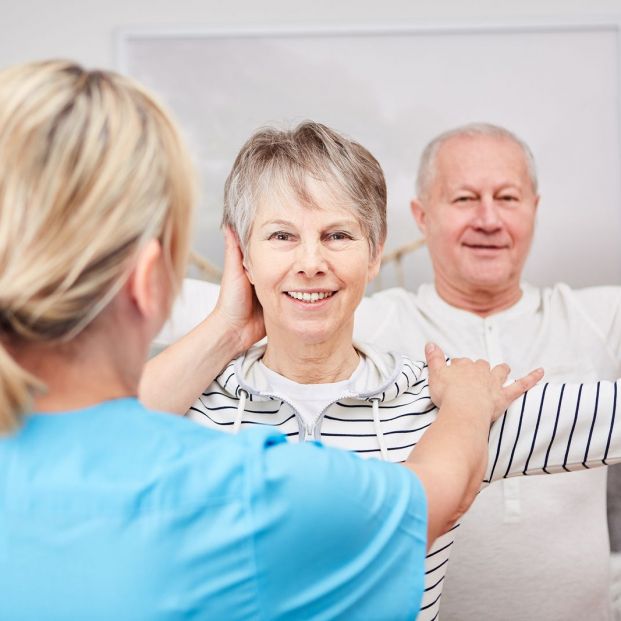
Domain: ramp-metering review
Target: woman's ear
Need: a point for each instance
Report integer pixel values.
(149, 283)
(235, 259)
(375, 262)
(247, 267)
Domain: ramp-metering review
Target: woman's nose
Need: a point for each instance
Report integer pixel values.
(310, 259)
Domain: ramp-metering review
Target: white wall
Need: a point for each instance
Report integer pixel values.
(393, 91)
(85, 29)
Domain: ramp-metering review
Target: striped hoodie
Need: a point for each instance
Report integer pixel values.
(552, 428)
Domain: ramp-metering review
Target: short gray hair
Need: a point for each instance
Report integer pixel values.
(280, 161)
(428, 159)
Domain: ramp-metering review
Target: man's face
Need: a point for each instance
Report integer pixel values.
(478, 214)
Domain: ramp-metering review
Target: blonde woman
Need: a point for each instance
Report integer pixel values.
(111, 511)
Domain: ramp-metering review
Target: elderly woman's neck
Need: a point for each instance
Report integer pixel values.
(312, 363)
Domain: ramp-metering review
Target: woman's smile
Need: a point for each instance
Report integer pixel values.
(310, 297)
(309, 265)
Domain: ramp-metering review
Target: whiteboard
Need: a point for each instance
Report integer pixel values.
(393, 89)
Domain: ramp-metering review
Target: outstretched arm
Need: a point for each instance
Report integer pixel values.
(451, 458)
(172, 380)
(557, 428)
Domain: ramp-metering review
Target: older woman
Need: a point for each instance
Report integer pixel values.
(111, 511)
(308, 207)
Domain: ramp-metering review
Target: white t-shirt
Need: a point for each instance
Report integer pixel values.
(531, 547)
(310, 400)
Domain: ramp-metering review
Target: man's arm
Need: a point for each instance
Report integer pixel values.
(600, 308)
(172, 380)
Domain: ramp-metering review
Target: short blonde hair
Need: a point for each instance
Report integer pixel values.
(92, 168)
(277, 161)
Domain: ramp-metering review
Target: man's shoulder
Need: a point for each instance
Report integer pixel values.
(562, 288)
(396, 294)
(389, 302)
(597, 295)
(393, 319)
(587, 297)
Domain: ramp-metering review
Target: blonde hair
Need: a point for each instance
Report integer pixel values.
(92, 169)
(277, 161)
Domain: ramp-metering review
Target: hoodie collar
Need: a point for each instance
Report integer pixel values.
(387, 376)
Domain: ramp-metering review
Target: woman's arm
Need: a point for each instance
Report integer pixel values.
(172, 380)
(450, 459)
(557, 428)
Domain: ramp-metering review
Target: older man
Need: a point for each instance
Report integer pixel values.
(537, 547)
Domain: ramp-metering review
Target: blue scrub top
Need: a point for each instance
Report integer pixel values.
(115, 512)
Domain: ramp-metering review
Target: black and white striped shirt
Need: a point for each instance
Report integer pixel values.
(552, 428)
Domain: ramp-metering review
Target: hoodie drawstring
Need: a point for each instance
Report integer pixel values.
(239, 414)
(378, 430)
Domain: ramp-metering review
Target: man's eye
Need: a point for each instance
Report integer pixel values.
(464, 199)
(508, 198)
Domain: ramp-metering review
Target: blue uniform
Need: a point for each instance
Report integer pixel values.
(116, 512)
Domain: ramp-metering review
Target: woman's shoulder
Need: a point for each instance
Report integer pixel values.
(388, 373)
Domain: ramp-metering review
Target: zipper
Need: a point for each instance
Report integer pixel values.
(308, 431)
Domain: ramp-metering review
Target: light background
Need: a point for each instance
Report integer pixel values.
(88, 31)
(393, 89)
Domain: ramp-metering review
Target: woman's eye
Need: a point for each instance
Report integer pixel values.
(339, 236)
(280, 236)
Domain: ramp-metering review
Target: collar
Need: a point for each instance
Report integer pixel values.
(387, 376)
(434, 305)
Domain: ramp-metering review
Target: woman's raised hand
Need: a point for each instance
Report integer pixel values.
(237, 303)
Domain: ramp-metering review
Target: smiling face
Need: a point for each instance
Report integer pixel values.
(478, 215)
(310, 266)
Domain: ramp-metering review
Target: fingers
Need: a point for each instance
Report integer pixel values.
(235, 298)
(435, 358)
(501, 372)
(232, 252)
(520, 386)
(468, 361)
(230, 239)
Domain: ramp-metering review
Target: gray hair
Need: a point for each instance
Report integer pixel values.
(428, 159)
(277, 161)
